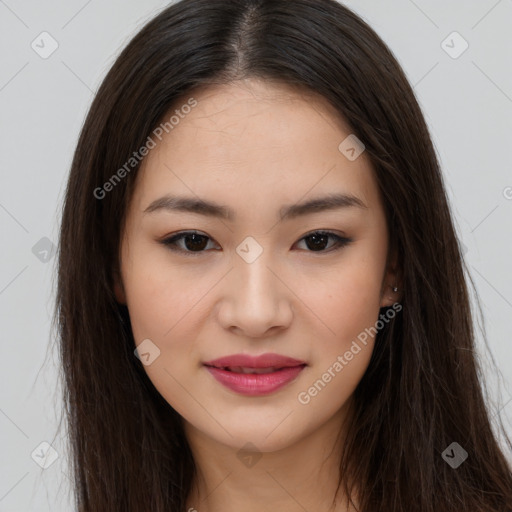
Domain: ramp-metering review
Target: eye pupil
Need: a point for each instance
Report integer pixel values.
(319, 241)
(196, 238)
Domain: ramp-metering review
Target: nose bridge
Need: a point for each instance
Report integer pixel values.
(254, 299)
(254, 282)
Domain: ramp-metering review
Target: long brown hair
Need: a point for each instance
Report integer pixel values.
(423, 389)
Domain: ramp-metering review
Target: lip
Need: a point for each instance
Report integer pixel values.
(252, 384)
(262, 361)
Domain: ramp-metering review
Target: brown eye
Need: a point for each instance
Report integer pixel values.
(318, 241)
(192, 242)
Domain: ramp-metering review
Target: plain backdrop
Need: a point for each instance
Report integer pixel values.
(465, 94)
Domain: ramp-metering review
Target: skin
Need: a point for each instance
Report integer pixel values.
(256, 146)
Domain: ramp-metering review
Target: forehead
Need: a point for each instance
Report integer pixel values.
(253, 139)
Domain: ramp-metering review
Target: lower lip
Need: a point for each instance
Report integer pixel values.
(254, 384)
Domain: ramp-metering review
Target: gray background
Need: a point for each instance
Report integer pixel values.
(467, 102)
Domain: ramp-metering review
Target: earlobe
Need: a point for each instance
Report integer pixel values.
(392, 289)
(391, 295)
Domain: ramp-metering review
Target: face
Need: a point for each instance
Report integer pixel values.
(259, 274)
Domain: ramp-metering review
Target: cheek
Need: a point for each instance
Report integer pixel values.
(346, 300)
(161, 298)
(167, 315)
(348, 305)
(167, 305)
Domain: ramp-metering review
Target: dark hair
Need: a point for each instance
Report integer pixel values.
(423, 388)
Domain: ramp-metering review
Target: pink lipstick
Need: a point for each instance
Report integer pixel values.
(253, 376)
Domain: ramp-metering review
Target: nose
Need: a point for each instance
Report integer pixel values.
(256, 299)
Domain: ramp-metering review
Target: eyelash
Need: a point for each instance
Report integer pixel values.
(170, 243)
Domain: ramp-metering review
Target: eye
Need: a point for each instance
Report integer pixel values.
(317, 241)
(194, 242)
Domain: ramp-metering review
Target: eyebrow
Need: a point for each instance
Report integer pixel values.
(202, 207)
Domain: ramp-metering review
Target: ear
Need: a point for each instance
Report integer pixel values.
(392, 279)
(119, 288)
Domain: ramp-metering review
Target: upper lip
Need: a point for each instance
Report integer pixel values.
(262, 361)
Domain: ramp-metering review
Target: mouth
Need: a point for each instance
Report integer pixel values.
(252, 381)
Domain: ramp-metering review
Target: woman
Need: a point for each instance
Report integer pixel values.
(262, 302)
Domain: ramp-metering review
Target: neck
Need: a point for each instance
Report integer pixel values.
(301, 476)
